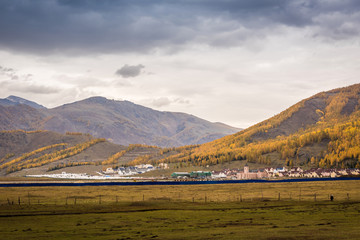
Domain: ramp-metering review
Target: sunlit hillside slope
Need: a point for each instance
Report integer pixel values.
(320, 131)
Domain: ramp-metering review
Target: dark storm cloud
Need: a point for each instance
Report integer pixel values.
(128, 71)
(90, 26)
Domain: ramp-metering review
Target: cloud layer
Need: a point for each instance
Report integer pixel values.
(233, 61)
(89, 26)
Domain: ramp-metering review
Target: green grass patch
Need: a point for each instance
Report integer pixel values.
(234, 211)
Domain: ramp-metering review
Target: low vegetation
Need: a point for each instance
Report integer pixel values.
(6, 157)
(113, 159)
(229, 211)
(17, 164)
(30, 154)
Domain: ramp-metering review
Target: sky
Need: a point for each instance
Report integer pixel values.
(230, 61)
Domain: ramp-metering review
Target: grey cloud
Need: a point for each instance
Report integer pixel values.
(15, 82)
(28, 88)
(128, 71)
(38, 89)
(9, 72)
(12, 74)
(338, 25)
(5, 70)
(90, 26)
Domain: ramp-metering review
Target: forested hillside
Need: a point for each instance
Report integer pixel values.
(321, 131)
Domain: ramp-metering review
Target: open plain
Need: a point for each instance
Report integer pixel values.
(227, 211)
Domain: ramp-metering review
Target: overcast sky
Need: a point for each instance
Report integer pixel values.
(237, 62)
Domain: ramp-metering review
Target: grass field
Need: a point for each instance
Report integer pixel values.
(229, 211)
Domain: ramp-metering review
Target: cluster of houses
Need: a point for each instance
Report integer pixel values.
(284, 172)
(65, 175)
(133, 170)
(226, 174)
(238, 174)
(129, 171)
(297, 172)
(194, 174)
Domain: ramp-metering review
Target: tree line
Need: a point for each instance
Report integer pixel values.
(52, 157)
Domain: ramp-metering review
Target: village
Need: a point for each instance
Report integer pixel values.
(133, 172)
(238, 174)
(123, 173)
(267, 173)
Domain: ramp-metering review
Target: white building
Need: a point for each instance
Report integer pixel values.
(218, 175)
(109, 170)
(163, 166)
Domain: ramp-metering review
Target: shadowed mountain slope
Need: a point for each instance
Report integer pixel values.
(121, 122)
(20, 117)
(124, 122)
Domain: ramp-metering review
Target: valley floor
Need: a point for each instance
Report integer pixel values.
(231, 211)
(159, 220)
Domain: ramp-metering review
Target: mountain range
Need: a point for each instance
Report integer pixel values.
(121, 122)
(320, 131)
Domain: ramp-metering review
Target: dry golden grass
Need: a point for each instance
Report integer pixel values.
(227, 211)
(301, 191)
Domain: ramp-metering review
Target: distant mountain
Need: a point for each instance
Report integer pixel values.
(20, 117)
(320, 131)
(13, 100)
(125, 122)
(121, 122)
